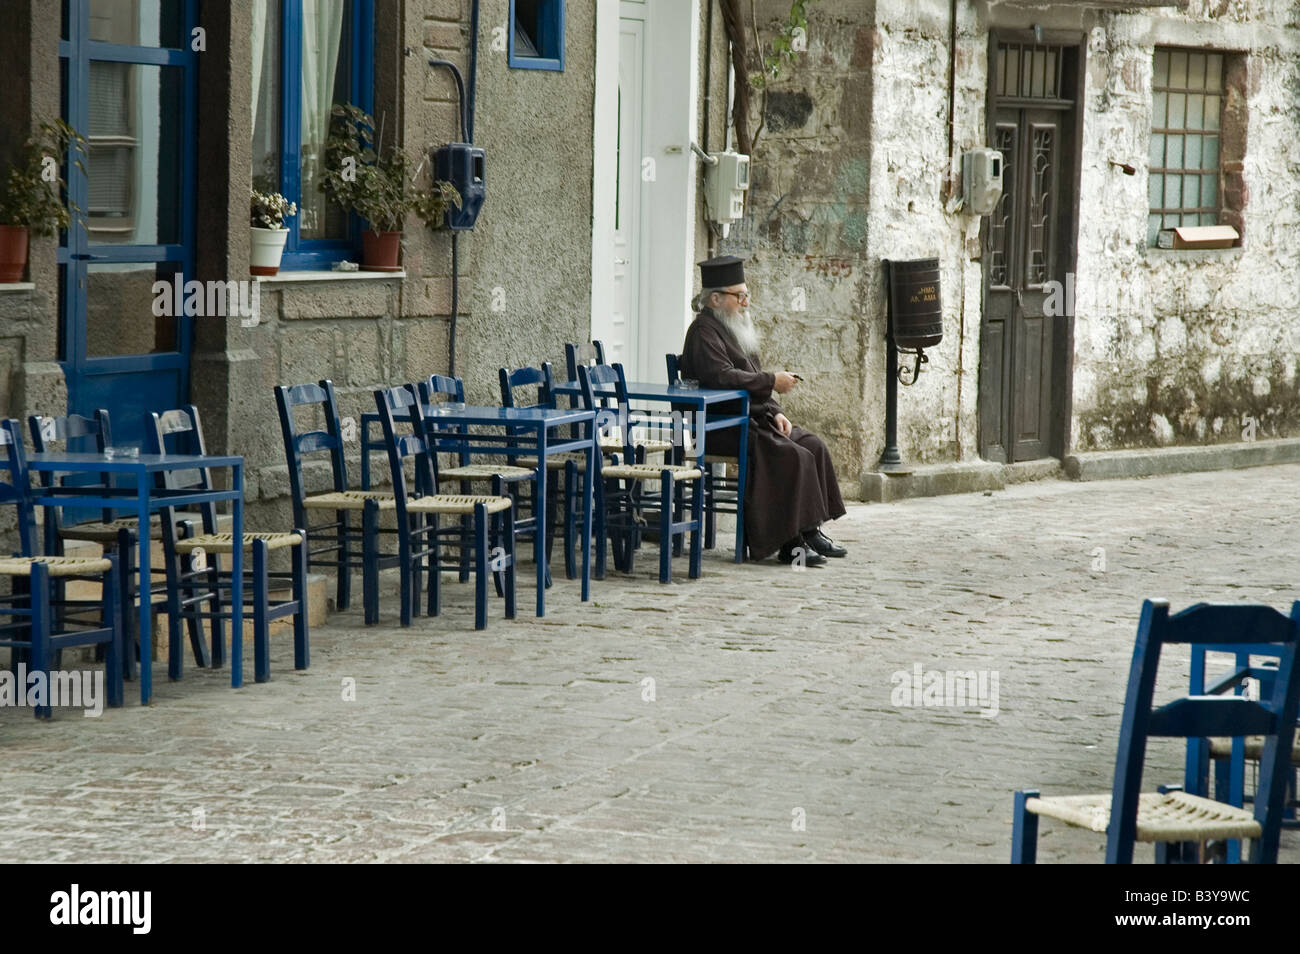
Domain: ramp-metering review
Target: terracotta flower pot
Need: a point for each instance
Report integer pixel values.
(13, 252)
(265, 248)
(380, 251)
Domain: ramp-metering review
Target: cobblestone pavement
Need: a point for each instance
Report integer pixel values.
(541, 740)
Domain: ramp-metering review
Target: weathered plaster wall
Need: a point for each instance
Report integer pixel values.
(1189, 347)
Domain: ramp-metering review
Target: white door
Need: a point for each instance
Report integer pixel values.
(622, 341)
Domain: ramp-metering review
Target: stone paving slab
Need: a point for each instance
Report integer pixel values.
(770, 735)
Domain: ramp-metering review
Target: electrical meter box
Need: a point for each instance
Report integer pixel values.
(981, 180)
(462, 165)
(725, 184)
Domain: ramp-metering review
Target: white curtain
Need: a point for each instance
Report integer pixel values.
(322, 28)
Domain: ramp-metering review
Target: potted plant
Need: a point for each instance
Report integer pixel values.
(266, 230)
(362, 178)
(32, 200)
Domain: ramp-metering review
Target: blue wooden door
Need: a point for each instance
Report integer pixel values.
(129, 86)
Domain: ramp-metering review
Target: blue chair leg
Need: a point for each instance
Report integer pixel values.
(570, 520)
(217, 624)
(406, 570)
(113, 622)
(343, 582)
(598, 527)
(370, 561)
(435, 572)
(40, 653)
(710, 527)
(509, 543)
(665, 526)
(697, 538)
(1024, 831)
(126, 575)
(301, 624)
(261, 608)
(177, 588)
(482, 566)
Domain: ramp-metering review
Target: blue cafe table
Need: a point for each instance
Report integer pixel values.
(698, 400)
(141, 500)
(527, 433)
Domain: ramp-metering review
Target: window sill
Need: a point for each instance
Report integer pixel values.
(1192, 254)
(291, 277)
(17, 287)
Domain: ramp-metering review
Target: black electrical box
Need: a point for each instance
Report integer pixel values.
(462, 165)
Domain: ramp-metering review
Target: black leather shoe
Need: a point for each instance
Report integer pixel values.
(823, 544)
(806, 555)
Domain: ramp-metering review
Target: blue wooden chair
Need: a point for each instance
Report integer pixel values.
(612, 445)
(1229, 755)
(570, 464)
(721, 493)
(192, 545)
(28, 613)
(117, 535)
(350, 548)
(419, 538)
(620, 488)
(1172, 816)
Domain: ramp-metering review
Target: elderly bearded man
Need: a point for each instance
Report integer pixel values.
(791, 485)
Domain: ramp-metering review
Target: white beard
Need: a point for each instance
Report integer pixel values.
(741, 328)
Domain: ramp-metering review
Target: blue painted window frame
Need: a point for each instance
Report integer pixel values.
(550, 39)
(301, 253)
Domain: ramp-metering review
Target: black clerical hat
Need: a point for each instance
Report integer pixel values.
(722, 272)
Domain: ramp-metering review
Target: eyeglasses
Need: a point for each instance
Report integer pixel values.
(741, 297)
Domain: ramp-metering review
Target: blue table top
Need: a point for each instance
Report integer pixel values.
(65, 462)
(473, 414)
(649, 391)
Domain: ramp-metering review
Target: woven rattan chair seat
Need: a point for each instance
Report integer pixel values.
(1222, 748)
(483, 472)
(649, 471)
(457, 503)
(107, 532)
(715, 459)
(557, 461)
(348, 500)
(612, 445)
(1175, 816)
(225, 542)
(58, 566)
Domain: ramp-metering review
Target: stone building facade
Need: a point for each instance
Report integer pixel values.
(857, 161)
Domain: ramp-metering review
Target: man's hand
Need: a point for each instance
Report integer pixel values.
(783, 424)
(785, 381)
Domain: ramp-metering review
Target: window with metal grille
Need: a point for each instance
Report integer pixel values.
(1188, 92)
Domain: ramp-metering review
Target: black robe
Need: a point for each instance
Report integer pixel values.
(791, 485)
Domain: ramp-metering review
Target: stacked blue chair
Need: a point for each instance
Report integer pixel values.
(28, 614)
(1172, 816)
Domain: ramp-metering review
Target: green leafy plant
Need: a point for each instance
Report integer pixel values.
(790, 40)
(268, 210)
(34, 188)
(361, 177)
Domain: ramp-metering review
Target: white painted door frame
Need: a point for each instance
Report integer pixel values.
(666, 246)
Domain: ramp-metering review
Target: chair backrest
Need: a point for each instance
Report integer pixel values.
(579, 354)
(297, 446)
(1200, 716)
(612, 411)
(407, 400)
(674, 363)
(77, 434)
(454, 388)
(179, 431)
(527, 377)
(15, 488)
